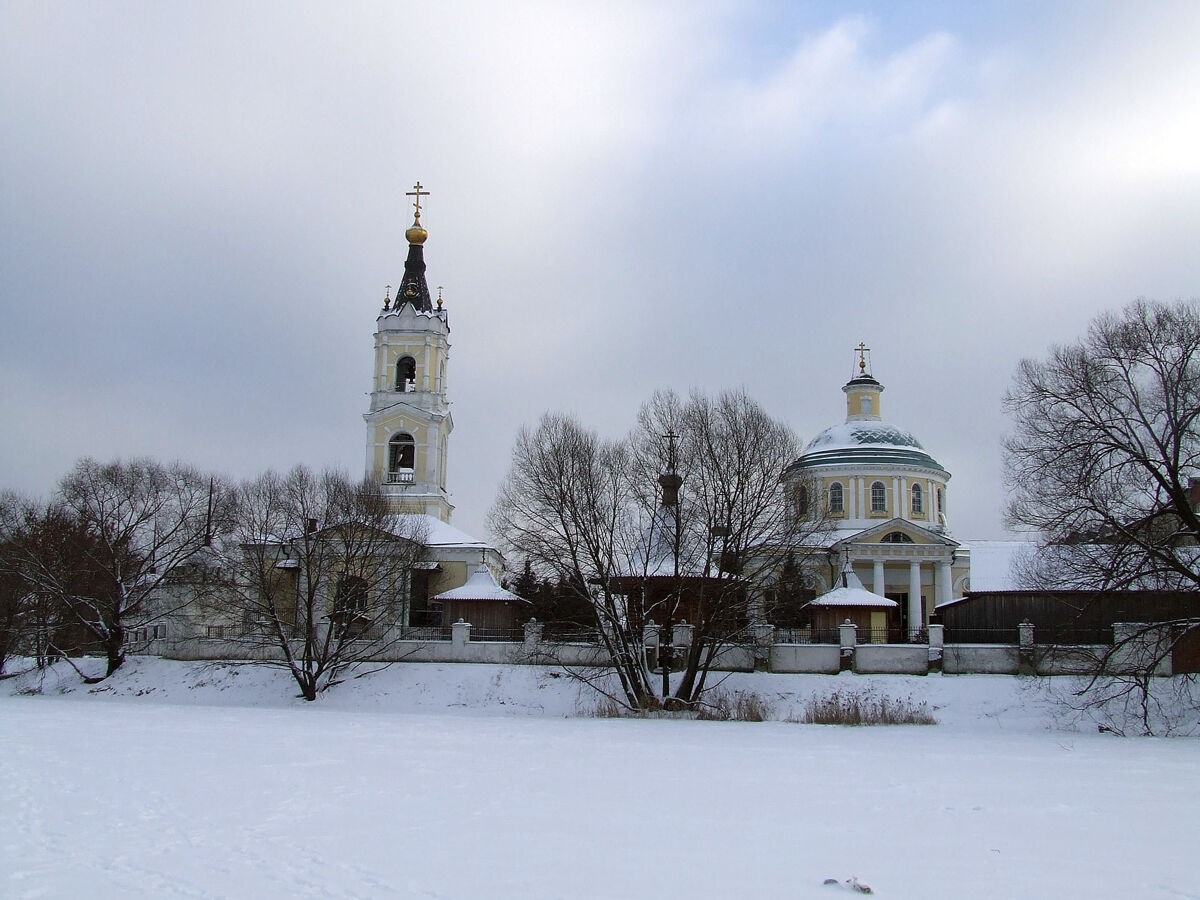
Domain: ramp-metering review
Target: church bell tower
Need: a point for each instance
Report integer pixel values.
(409, 421)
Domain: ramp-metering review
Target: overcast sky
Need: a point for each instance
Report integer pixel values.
(201, 204)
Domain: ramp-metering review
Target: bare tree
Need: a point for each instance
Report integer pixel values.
(685, 518)
(565, 506)
(1105, 448)
(127, 526)
(1102, 463)
(733, 530)
(317, 573)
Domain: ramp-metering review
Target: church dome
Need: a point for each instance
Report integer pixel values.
(865, 442)
(865, 439)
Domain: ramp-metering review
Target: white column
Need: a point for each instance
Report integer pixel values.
(915, 618)
(897, 509)
(861, 512)
(877, 582)
(944, 582)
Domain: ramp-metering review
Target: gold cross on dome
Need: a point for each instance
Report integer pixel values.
(862, 350)
(418, 193)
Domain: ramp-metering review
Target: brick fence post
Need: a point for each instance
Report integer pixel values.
(681, 638)
(848, 635)
(1025, 662)
(650, 644)
(937, 642)
(533, 635)
(460, 636)
(764, 639)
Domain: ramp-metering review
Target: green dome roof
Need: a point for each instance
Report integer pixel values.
(865, 443)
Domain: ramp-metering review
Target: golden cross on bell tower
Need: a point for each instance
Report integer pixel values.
(418, 193)
(862, 350)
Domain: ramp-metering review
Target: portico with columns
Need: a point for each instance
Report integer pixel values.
(917, 573)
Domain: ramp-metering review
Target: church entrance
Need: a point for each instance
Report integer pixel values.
(898, 618)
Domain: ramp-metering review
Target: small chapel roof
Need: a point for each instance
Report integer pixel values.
(850, 592)
(480, 586)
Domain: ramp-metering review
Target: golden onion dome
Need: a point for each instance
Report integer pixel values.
(416, 234)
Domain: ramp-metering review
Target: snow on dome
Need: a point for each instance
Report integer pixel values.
(865, 442)
(480, 586)
(857, 434)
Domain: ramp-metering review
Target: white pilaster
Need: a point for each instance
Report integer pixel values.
(915, 617)
(878, 585)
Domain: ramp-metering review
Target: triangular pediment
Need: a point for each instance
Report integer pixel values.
(911, 530)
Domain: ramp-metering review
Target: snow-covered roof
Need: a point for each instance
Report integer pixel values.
(480, 586)
(852, 593)
(439, 533)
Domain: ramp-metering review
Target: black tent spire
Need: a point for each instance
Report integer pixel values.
(413, 288)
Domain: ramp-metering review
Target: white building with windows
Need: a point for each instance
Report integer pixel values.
(884, 499)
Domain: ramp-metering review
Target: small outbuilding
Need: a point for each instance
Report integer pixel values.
(483, 603)
(877, 617)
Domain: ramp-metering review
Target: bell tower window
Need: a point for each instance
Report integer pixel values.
(406, 374)
(402, 452)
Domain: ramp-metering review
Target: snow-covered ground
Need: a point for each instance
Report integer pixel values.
(202, 780)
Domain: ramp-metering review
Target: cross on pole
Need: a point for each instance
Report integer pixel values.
(418, 193)
(671, 437)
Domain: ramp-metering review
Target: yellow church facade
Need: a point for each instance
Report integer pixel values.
(882, 501)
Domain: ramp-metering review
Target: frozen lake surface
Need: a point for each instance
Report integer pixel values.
(187, 780)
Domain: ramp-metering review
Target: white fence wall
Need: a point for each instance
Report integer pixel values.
(817, 659)
(1143, 644)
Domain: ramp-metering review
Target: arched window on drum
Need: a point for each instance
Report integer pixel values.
(878, 497)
